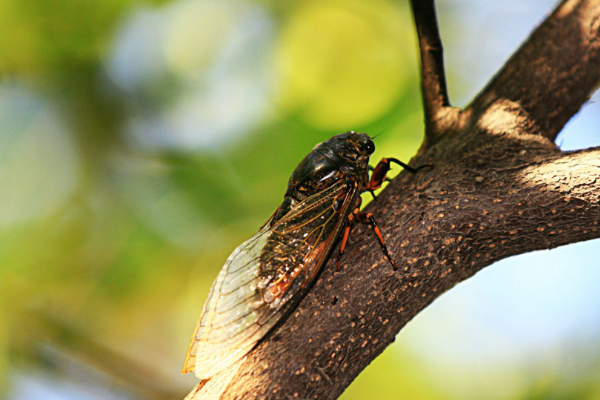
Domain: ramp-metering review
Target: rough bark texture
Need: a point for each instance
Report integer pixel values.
(499, 187)
(553, 73)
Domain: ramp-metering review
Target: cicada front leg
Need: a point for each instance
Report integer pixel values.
(379, 173)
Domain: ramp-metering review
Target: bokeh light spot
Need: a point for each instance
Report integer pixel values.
(340, 63)
(38, 163)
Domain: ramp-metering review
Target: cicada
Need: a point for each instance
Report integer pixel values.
(264, 279)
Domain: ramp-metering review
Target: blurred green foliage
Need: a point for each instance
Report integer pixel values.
(116, 238)
(115, 215)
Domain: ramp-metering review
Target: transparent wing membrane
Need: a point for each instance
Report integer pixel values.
(264, 277)
(230, 309)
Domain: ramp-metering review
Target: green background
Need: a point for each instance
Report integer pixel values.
(141, 141)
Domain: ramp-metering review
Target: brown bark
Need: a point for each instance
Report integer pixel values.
(553, 73)
(499, 187)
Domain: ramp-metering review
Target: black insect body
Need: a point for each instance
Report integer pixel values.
(266, 276)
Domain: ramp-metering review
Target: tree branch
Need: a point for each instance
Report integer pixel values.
(442, 226)
(439, 116)
(559, 65)
(499, 187)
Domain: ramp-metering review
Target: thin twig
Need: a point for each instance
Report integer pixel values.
(125, 374)
(436, 103)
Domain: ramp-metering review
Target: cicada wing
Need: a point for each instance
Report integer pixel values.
(262, 279)
(228, 328)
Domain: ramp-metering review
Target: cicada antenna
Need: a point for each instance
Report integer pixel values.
(377, 135)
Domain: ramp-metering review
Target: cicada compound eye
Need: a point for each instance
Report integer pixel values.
(367, 144)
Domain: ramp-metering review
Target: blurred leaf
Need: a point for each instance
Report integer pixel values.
(340, 63)
(119, 236)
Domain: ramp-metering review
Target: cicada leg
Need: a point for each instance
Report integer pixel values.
(368, 218)
(345, 236)
(363, 218)
(379, 173)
